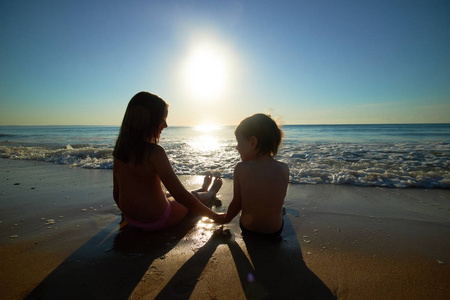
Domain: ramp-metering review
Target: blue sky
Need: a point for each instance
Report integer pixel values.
(305, 62)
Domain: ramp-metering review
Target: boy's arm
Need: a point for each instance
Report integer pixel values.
(235, 205)
(170, 180)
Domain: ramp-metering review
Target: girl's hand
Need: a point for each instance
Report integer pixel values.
(220, 218)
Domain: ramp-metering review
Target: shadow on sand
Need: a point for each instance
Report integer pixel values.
(112, 263)
(274, 270)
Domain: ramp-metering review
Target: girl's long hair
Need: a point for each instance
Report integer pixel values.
(140, 126)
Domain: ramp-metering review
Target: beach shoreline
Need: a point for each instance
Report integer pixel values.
(59, 236)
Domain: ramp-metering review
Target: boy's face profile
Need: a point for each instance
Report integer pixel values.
(246, 147)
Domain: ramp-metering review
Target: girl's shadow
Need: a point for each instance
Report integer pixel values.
(278, 270)
(111, 264)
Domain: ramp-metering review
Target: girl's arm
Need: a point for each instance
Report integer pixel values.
(235, 205)
(115, 189)
(170, 180)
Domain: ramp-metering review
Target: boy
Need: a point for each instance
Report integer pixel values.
(260, 181)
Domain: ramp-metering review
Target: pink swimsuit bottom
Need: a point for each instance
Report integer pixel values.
(152, 226)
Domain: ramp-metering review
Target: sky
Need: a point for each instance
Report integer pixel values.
(217, 62)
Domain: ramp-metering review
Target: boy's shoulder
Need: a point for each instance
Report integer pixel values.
(242, 166)
(282, 164)
(253, 163)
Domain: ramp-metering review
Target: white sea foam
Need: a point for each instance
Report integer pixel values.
(376, 164)
(84, 157)
(415, 162)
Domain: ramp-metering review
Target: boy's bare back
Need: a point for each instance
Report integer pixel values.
(263, 184)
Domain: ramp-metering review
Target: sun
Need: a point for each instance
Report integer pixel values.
(206, 71)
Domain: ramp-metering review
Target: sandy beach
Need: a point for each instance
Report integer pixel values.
(60, 239)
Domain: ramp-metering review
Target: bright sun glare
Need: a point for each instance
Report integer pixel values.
(205, 141)
(206, 71)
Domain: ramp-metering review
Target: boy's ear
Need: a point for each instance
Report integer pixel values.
(254, 142)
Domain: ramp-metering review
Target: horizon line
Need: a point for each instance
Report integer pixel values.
(305, 124)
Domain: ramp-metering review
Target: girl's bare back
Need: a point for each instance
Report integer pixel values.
(140, 195)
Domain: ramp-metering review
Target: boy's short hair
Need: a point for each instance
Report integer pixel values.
(266, 131)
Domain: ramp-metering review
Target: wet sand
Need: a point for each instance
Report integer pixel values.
(60, 238)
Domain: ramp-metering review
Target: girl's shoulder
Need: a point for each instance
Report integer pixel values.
(155, 154)
(155, 149)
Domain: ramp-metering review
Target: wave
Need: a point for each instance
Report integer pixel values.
(377, 164)
(77, 156)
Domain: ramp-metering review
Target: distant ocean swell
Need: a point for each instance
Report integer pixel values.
(401, 165)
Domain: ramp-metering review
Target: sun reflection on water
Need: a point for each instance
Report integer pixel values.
(205, 143)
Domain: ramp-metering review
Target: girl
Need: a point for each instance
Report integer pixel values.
(141, 166)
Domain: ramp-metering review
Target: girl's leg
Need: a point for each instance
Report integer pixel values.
(177, 212)
(206, 183)
(207, 196)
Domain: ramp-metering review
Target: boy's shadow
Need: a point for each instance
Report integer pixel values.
(111, 264)
(275, 270)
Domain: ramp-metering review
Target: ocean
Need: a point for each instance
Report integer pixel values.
(395, 156)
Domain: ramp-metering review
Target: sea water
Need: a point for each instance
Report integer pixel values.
(403, 156)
